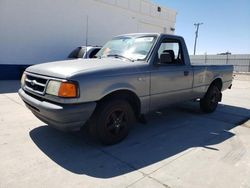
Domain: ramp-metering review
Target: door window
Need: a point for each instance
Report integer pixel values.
(173, 48)
(93, 53)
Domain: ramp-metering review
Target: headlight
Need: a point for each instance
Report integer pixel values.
(53, 87)
(23, 79)
(62, 89)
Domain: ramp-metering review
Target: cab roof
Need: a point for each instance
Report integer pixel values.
(150, 34)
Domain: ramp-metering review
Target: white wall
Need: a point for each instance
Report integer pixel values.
(36, 31)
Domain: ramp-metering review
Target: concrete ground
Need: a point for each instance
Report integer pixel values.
(179, 147)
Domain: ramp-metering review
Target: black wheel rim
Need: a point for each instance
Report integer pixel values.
(214, 99)
(116, 122)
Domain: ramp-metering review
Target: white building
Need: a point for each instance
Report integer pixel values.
(36, 31)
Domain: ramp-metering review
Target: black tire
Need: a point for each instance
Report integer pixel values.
(111, 121)
(211, 99)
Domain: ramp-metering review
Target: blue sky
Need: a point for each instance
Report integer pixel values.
(226, 24)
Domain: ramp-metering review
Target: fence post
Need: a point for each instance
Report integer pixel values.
(227, 59)
(206, 58)
(249, 66)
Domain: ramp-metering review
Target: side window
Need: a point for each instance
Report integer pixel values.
(93, 53)
(74, 53)
(173, 48)
(81, 53)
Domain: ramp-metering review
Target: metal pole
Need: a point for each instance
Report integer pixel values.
(87, 30)
(197, 25)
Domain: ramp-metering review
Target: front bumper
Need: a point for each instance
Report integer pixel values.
(66, 117)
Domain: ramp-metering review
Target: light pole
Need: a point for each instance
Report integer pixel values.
(197, 25)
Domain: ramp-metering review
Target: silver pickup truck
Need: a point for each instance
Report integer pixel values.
(133, 75)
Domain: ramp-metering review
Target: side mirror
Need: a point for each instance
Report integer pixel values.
(166, 58)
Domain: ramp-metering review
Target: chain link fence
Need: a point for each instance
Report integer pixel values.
(241, 63)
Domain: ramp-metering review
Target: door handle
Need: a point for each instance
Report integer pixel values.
(186, 73)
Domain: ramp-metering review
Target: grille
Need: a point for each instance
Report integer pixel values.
(35, 84)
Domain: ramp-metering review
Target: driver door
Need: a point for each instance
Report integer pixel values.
(172, 82)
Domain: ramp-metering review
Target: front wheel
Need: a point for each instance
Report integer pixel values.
(211, 99)
(112, 120)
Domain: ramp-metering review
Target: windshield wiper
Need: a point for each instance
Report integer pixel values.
(120, 56)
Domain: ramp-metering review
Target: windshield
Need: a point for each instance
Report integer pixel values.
(133, 48)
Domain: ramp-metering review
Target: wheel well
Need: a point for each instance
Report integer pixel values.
(218, 83)
(127, 95)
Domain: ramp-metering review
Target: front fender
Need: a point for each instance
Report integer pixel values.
(117, 87)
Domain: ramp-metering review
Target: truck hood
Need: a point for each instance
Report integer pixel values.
(68, 68)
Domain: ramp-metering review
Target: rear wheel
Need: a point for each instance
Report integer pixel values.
(211, 99)
(111, 121)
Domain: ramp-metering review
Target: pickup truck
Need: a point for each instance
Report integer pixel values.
(133, 75)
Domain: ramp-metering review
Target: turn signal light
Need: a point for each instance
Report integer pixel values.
(67, 90)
